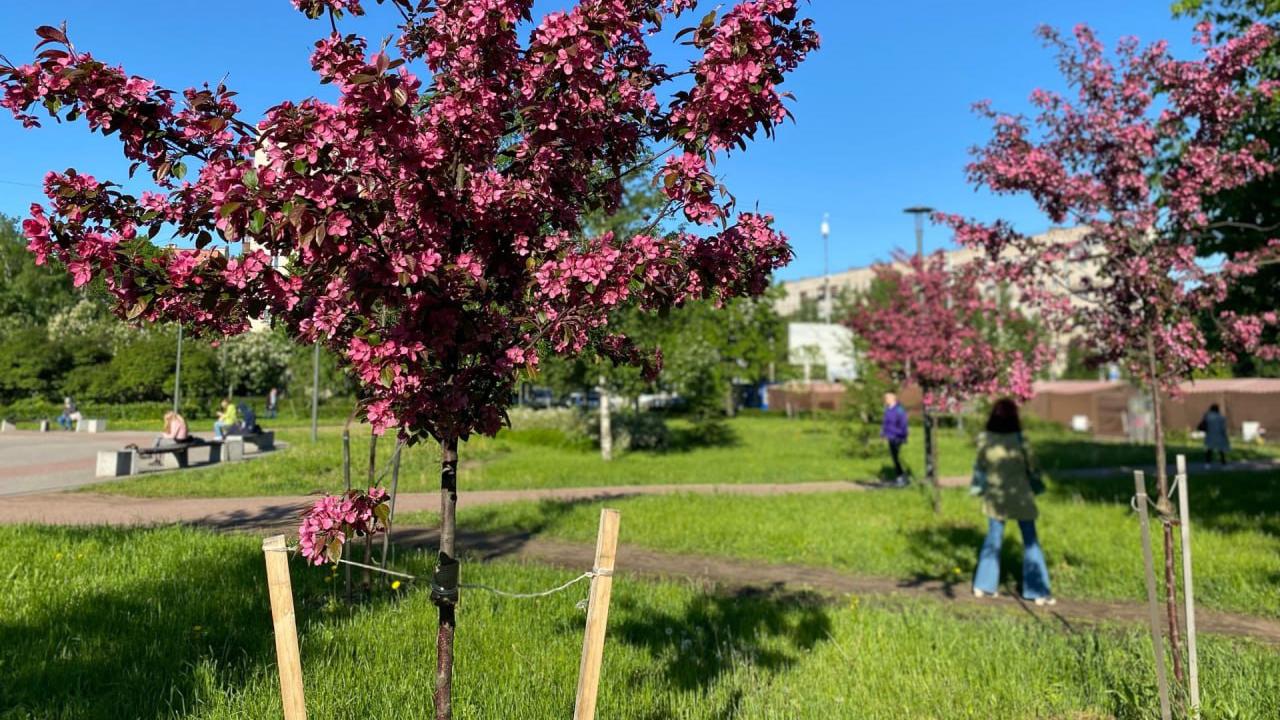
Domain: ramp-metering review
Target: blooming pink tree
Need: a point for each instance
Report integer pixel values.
(1130, 159)
(942, 330)
(430, 216)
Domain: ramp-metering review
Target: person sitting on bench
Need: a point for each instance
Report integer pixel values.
(227, 420)
(70, 414)
(175, 433)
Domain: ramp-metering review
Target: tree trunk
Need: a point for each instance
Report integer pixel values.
(931, 461)
(366, 578)
(606, 424)
(346, 487)
(444, 591)
(1165, 508)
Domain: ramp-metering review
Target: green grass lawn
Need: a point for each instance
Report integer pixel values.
(101, 623)
(1089, 533)
(757, 449)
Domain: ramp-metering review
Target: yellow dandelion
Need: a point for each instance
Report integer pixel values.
(395, 585)
(57, 556)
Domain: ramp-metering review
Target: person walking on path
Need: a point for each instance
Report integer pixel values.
(70, 414)
(273, 403)
(1216, 439)
(227, 419)
(1006, 478)
(894, 430)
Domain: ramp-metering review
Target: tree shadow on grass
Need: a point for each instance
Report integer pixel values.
(946, 549)
(766, 629)
(130, 651)
(1082, 453)
(702, 435)
(1225, 502)
(181, 626)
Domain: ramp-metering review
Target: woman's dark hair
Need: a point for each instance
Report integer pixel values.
(1004, 417)
(1214, 408)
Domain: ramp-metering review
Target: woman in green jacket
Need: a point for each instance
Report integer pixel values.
(1005, 477)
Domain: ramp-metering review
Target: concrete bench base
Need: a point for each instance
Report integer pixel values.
(91, 425)
(116, 463)
(6, 426)
(44, 426)
(231, 449)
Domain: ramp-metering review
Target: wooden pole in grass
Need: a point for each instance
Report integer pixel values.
(286, 630)
(1153, 603)
(1188, 588)
(597, 616)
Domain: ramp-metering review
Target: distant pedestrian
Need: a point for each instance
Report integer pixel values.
(1006, 477)
(226, 421)
(273, 403)
(70, 414)
(1216, 439)
(894, 430)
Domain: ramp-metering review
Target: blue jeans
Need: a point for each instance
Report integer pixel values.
(219, 429)
(64, 421)
(1035, 574)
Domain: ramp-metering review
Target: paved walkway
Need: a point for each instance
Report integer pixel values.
(36, 462)
(33, 462)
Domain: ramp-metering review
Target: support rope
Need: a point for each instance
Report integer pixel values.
(593, 573)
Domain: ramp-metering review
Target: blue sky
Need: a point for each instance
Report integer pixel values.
(883, 115)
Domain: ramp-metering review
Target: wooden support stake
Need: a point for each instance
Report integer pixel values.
(1153, 603)
(286, 630)
(597, 616)
(1188, 589)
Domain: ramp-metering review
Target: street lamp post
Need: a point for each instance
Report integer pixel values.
(177, 373)
(930, 447)
(919, 211)
(826, 269)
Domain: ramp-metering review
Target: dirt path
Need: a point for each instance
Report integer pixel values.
(280, 513)
(738, 574)
(90, 508)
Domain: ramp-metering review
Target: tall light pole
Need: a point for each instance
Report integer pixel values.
(315, 393)
(930, 447)
(826, 269)
(919, 211)
(177, 373)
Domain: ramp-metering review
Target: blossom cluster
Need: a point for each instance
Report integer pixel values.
(1130, 171)
(335, 519)
(427, 229)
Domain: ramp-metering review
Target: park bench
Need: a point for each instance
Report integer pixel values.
(128, 461)
(7, 425)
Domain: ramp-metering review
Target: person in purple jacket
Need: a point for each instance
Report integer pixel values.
(894, 429)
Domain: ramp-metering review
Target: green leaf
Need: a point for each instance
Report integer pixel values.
(257, 221)
(250, 179)
(179, 170)
(333, 550)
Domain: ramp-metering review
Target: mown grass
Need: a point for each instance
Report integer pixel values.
(1089, 533)
(756, 449)
(174, 623)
